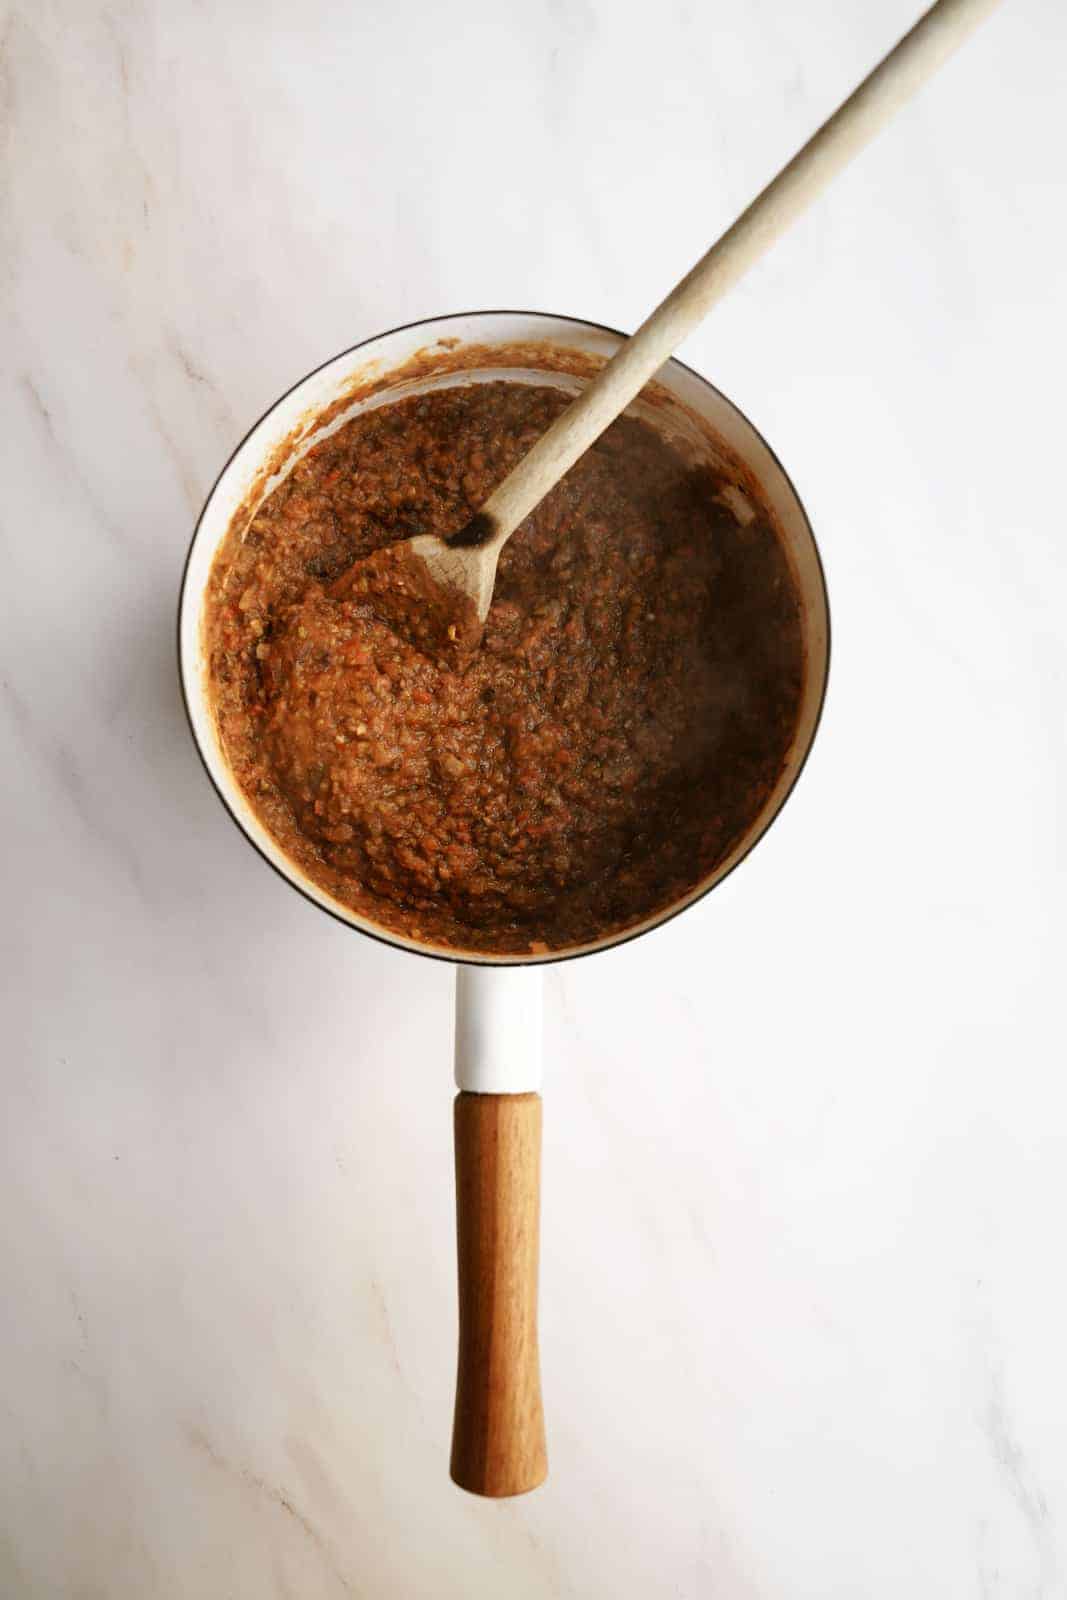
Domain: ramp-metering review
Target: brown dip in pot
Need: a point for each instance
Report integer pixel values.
(627, 717)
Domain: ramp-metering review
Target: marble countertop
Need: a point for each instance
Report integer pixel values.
(805, 1170)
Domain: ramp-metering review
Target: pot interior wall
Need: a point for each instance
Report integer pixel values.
(520, 348)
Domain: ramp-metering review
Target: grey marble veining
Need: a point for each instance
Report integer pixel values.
(803, 1313)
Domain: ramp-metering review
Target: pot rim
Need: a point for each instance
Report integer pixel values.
(505, 959)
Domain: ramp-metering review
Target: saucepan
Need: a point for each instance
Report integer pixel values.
(498, 1445)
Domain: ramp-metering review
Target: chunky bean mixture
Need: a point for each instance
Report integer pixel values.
(626, 717)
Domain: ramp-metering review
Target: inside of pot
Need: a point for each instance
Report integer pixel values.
(748, 484)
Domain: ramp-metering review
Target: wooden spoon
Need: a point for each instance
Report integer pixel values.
(437, 591)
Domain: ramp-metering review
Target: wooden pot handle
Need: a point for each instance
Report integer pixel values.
(498, 1437)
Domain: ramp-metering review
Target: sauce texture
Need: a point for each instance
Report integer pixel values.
(627, 715)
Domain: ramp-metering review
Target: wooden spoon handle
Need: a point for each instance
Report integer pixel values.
(498, 1438)
(904, 70)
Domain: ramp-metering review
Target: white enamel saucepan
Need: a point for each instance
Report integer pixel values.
(498, 1444)
(498, 1440)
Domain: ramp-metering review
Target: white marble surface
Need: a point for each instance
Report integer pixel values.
(804, 1316)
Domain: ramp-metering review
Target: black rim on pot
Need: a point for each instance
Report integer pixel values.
(466, 957)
